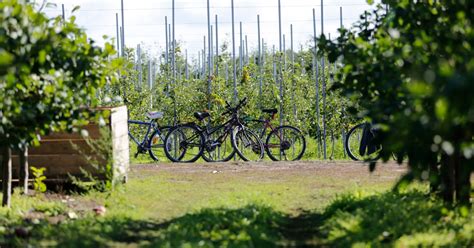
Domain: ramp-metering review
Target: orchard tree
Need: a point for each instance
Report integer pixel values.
(409, 67)
(49, 75)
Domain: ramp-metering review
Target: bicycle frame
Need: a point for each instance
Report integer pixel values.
(151, 127)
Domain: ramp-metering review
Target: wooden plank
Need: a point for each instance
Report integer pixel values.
(55, 147)
(93, 130)
(57, 166)
(58, 156)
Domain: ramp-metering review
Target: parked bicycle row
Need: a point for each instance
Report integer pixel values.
(239, 135)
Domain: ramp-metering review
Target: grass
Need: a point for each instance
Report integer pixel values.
(243, 205)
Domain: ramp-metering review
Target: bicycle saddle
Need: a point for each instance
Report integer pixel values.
(270, 111)
(201, 115)
(154, 115)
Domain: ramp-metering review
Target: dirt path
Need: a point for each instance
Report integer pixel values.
(337, 168)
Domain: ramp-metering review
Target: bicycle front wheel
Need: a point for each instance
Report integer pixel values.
(357, 146)
(218, 150)
(248, 145)
(184, 144)
(286, 143)
(156, 143)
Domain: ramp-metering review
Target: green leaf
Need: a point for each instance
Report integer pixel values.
(5, 58)
(76, 8)
(441, 109)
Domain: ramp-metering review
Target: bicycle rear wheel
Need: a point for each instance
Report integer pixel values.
(357, 146)
(248, 145)
(156, 143)
(184, 144)
(286, 143)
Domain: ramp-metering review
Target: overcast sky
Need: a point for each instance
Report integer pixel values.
(145, 20)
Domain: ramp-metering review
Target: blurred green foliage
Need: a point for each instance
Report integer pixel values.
(409, 67)
(50, 73)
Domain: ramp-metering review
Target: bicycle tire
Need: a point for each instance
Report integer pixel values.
(274, 140)
(245, 138)
(156, 140)
(352, 144)
(188, 136)
(215, 154)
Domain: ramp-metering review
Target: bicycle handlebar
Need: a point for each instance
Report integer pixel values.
(231, 110)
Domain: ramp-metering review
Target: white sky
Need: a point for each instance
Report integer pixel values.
(145, 20)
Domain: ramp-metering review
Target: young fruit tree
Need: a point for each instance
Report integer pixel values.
(49, 75)
(409, 67)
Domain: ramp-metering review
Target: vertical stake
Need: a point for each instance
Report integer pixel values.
(323, 60)
(316, 78)
(118, 34)
(217, 49)
(123, 30)
(233, 53)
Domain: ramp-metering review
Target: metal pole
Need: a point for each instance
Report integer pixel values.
(186, 65)
(260, 76)
(121, 37)
(64, 14)
(118, 34)
(204, 57)
(211, 51)
(217, 48)
(226, 74)
(316, 77)
(241, 49)
(123, 31)
(340, 18)
(293, 71)
(173, 51)
(284, 51)
(139, 66)
(233, 53)
(324, 84)
(246, 50)
(199, 64)
(209, 59)
(167, 41)
(150, 80)
(280, 76)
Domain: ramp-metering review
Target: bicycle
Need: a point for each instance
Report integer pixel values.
(283, 142)
(359, 143)
(153, 140)
(188, 142)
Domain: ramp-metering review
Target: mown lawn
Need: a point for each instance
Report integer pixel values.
(237, 204)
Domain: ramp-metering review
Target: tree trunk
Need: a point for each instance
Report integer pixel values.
(24, 170)
(447, 179)
(463, 181)
(435, 180)
(6, 176)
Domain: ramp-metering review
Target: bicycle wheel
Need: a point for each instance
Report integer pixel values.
(247, 144)
(218, 150)
(184, 144)
(156, 143)
(356, 144)
(285, 143)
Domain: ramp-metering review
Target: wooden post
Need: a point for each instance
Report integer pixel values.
(24, 174)
(7, 176)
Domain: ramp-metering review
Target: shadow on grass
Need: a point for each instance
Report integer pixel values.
(404, 220)
(251, 226)
(391, 219)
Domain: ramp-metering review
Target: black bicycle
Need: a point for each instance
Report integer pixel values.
(188, 142)
(281, 142)
(359, 143)
(153, 140)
